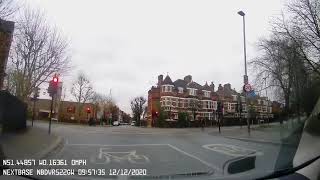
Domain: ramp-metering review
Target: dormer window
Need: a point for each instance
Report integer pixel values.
(166, 88)
(234, 97)
(192, 91)
(206, 93)
(180, 89)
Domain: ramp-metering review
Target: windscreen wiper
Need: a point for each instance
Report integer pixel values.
(288, 171)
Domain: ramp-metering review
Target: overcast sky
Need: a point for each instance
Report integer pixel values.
(124, 45)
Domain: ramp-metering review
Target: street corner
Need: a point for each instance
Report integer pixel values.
(157, 159)
(55, 147)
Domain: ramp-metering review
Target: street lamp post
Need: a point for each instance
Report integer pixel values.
(265, 83)
(245, 78)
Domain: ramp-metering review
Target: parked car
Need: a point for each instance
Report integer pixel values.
(133, 123)
(116, 123)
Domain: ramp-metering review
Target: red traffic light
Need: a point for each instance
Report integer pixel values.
(88, 110)
(55, 79)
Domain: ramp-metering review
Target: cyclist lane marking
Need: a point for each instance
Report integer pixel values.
(232, 150)
(106, 155)
(124, 145)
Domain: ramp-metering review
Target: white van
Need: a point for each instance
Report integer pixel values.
(116, 123)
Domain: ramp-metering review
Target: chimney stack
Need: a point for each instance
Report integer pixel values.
(227, 86)
(160, 80)
(188, 78)
(212, 86)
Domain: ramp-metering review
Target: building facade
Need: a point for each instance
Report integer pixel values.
(200, 101)
(6, 33)
(63, 111)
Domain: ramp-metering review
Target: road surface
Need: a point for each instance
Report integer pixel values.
(160, 152)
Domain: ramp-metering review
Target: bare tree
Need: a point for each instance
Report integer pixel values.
(137, 107)
(82, 91)
(281, 61)
(8, 8)
(194, 107)
(303, 27)
(38, 51)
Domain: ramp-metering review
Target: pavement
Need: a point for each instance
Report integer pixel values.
(32, 143)
(161, 152)
(273, 133)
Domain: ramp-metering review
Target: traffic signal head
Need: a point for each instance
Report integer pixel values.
(88, 110)
(55, 79)
(53, 86)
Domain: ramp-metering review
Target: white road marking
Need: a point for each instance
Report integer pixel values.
(232, 150)
(197, 158)
(115, 144)
(173, 147)
(106, 156)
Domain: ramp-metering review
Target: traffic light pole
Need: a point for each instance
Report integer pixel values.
(248, 114)
(219, 122)
(51, 107)
(33, 111)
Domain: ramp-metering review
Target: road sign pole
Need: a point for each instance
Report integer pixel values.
(51, 107)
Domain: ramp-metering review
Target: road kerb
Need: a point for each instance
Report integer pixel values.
(258, 141)
(53, 146)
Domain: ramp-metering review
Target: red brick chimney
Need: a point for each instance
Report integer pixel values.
(160, 80)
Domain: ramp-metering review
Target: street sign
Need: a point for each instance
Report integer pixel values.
(247, 88)
(251, 94)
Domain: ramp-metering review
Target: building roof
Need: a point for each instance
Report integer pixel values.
(195, 85)
(180, 83)
(206, 87)
(167, 80)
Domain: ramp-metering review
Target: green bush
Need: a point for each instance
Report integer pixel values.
(182, 120)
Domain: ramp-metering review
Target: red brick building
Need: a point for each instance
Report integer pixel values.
(182, 95)
(64, 111)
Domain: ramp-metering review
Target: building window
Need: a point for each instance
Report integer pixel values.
(244, 107)
(234, 97)
(192, 92)
(233, 107)
(180, 89)
(214, 105)
(243, 99)
(264, 109)
(206, 93)
(166, 88)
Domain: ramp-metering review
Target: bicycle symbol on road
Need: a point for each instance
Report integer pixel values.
(232, 150)
(105, 157)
